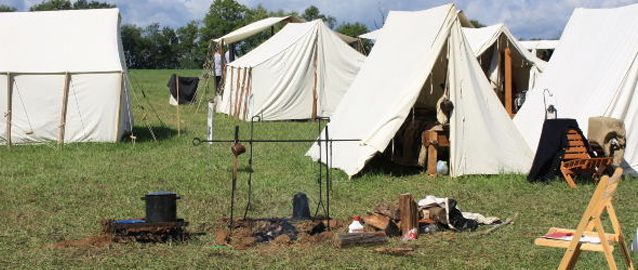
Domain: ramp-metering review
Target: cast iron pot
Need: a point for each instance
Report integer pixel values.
(161, 206)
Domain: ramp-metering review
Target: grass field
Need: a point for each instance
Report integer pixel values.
(50, 194)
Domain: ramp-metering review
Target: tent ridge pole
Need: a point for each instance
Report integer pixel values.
(9, 107)
(65, 101)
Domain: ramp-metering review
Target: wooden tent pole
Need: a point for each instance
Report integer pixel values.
(314, 87)
(65, 102)
(118, 126)
(177, 97)
(508, 81)
(9, 106)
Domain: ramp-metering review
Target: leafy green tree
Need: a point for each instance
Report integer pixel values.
(84, 4)
(5, 8)
(313, 13)
(52, 5)
(66, 5)
(189, 55)
(477, 24)
(132, 43)
(354, 30)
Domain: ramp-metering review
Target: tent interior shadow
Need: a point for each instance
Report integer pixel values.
(143, 134)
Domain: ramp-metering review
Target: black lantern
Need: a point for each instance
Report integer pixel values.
(550, 111)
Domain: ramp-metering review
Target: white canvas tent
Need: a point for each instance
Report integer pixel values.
(489, 44)
(593, 72)
(300, 73)
(62, 77)
(402, 72)
(263, 24)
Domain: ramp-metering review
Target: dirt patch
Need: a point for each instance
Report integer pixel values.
(264, 233)
(90, 241)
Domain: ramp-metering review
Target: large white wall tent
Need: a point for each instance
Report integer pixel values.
(419, 57)
(300, 73)
(490, 44)
(593, 72)
(62, 77)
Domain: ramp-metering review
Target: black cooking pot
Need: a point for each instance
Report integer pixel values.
(161, 206)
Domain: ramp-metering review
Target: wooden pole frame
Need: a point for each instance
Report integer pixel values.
(507, 53)
(313, 115)
(9, 106)
(65, 103)
(179, 132)
(119, 108)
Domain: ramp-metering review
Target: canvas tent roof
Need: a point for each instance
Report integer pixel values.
(539, 44)
(593, 72)
(38, 49)
(276, 80)
(483, 138)
(375, 33)
(261, 25)
(485, 41)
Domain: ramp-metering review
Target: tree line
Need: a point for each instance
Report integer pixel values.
(186, 47)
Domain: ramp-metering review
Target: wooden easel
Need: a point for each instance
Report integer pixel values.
(591, 226)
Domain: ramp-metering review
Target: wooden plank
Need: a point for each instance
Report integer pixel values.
(382, 223)
(342, 240)
(391, 211)
(508, 81)
(576, 149)
(575, 156)
(431, 141)
(65, 102)
(575, 143)
(408, 212)
(9, 112)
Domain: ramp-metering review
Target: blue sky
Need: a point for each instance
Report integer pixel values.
(525, 18)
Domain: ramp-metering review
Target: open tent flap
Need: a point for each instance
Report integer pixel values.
(487, 41)
(392, 80)
(593, 72)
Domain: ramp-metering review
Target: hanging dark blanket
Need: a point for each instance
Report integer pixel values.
(550, 149)
(407, 141)
(187, 88)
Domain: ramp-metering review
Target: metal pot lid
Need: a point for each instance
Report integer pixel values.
(160, 193)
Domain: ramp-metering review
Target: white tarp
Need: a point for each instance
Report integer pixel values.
(261, 25)
(276, 80)
(593, 72)
(411, 51)
(38, 48)
(487, 41)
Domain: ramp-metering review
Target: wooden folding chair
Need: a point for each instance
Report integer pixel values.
(591, 226)
(576, 159)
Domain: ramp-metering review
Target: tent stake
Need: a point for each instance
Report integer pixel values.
(9, 107)
(65, 101)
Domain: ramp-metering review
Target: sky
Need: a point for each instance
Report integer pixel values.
(525, 18)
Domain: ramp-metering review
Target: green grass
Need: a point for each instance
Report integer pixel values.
(50, 194)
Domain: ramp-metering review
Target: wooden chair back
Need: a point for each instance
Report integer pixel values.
(576, 148)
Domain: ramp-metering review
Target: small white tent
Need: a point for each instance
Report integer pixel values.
(489, 44)
(414, 54)
(300, 73)
(593, 72)
(62, 77)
